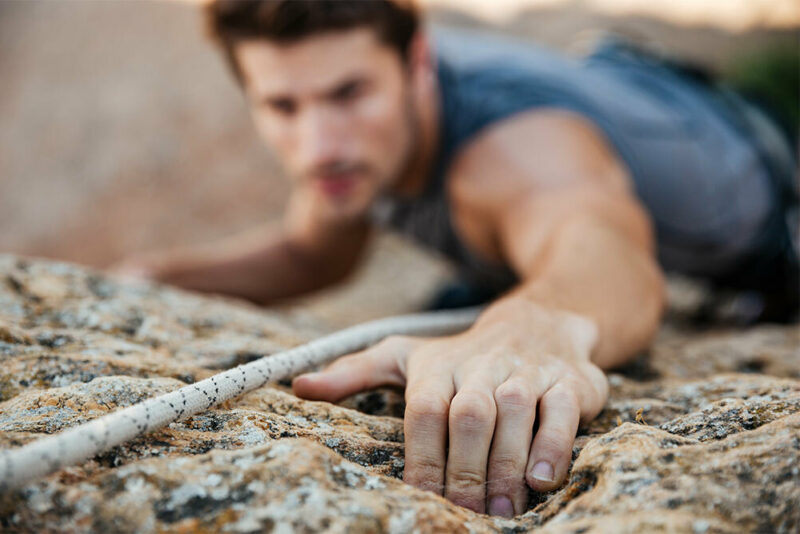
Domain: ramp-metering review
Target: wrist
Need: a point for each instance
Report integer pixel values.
(578, 332)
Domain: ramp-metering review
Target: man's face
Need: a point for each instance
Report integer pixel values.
(337, 110)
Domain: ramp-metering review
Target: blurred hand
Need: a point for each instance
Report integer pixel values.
(472, 400)
(137, 267)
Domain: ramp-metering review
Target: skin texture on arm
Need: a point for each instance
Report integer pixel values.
(301, 254)
(545, 193)
(580, 241)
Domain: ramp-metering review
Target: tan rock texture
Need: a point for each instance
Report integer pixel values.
(702, 434)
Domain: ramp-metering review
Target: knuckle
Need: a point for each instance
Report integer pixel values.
(424, 484)
(471, 408)
(464, 479)
(553, 444)
(572, 376)
(501, 466)
(424, 473)
(514, 395)
(421, 405)
(424, 468)
(562, 394)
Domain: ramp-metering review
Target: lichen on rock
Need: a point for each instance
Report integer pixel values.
(701, 434)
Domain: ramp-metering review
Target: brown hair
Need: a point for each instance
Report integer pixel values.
(286, 21)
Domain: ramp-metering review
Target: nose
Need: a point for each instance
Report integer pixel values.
(320, 136)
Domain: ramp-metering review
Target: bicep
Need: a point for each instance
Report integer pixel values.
(530, 227)
(533, 174)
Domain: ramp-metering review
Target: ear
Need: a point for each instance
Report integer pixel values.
(421, 60)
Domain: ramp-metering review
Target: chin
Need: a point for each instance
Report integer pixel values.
(349, 208)
(351, 204)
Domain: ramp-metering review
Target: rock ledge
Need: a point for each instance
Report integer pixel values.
(700, 435)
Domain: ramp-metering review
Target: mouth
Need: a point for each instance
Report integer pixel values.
(337, 185)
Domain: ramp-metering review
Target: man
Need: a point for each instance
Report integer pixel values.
(539, 176)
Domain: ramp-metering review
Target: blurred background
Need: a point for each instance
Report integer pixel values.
(121, 130)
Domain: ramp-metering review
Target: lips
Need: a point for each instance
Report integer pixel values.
(336, 185)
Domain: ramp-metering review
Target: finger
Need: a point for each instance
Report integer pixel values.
(369, 368)
(425, 428)
(507, 493)
(132, 271)
(592, 398)
(471, 426)
(551, 451)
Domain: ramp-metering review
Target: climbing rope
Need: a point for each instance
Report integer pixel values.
(75, 445)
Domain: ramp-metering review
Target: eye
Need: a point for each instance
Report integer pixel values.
(348, 91)
(283, 106)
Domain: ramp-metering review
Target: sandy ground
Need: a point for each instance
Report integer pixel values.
(120, 131)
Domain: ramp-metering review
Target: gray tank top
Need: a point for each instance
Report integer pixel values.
(698, 177)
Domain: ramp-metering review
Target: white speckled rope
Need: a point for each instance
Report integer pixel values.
(46, 455)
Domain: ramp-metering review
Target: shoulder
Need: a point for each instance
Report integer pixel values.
(537, 150)
(523, 177)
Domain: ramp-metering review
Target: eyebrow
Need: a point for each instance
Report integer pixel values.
(271, 99)
(348, 82)
(355, 78)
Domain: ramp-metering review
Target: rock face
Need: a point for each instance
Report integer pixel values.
(700, 435)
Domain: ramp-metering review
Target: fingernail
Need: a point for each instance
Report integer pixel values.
(501, 506)
(543, 471)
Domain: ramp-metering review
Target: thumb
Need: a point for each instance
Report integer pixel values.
(379, 365)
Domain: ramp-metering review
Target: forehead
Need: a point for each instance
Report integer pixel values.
(315, 63)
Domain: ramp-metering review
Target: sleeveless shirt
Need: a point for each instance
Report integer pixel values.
(698, 177)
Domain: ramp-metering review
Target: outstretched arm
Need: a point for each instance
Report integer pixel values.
(590, 297)
(292, 257)
(595, 260)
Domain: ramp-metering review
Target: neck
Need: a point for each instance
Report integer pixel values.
(426, 105)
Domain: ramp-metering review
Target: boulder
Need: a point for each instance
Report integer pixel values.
(700, 434)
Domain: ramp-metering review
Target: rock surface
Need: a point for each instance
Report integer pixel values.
(700, 435)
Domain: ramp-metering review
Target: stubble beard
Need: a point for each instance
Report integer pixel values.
(406, 163)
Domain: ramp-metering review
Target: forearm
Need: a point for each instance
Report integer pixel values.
(263, 266)
(593, 270)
